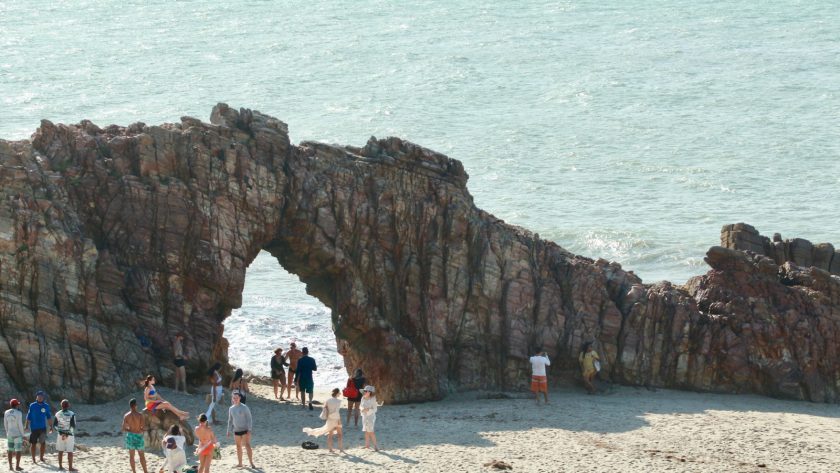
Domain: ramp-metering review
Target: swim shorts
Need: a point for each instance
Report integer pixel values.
(134, 441)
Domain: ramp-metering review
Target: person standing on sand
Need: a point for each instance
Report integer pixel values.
(154, 401)
(13, 423)
(65, 425)
(38, 419)
(216, 390)
(293, 355)
(332, 414)
(539, 380)
(303, 376)
(278, 372)
(207, 443)
(358, 381)
(180, 362)
(241, 423)
(588, 359)
(239, 385)
(134, 425)
(369, 407)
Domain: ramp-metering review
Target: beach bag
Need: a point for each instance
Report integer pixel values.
(309, 445)
(323, 415)
(217, 453)
(350, 391)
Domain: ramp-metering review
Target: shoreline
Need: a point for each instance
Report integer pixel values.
(628, 429)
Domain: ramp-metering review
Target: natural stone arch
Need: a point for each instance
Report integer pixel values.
(113, 236)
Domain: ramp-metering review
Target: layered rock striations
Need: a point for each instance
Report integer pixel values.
(112, 240)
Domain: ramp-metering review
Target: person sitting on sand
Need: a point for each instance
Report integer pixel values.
(207, 443)
(293, 355)
(369, 407)
(239, 385)
(278, 372)
(358, 380)
(134, 424)
(154, 401)
(331, 412)
(539, 380)
(173, 450)
(588, 358)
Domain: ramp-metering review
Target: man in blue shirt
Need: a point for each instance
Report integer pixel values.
(38, 419)
(305, 366)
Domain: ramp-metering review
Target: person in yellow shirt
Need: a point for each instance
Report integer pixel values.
(589, 364)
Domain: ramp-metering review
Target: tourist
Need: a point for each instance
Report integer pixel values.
(216, 390)
(173, 450)
(332, 414)
(13, 423)
(38, 419)
(154, 401)
(369, 407)
(589, 361)
(278, 373)
(539, 380)
(354, 385)
(65, 425)
(207, 443)
(134, 424)
(180, 363)
(293, 356)
(303, 376)
(241, 424)
(239, 385)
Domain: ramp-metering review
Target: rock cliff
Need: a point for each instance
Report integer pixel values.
(114, 239)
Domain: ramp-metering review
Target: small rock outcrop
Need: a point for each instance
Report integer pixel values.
(112, 240)
(798, 251)
(158, 425)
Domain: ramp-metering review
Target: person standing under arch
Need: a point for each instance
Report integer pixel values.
(293, 355)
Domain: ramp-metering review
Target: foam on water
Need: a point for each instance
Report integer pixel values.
(626, 130)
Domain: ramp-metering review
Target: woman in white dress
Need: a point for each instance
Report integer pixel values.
(368, 407)
(331, 413)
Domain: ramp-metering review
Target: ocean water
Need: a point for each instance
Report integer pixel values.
(625, 130)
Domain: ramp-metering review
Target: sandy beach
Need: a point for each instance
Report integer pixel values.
(626, 429)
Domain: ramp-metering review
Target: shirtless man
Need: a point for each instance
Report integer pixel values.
(293, 355)
(134, 425)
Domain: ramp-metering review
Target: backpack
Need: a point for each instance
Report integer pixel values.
(350, 391)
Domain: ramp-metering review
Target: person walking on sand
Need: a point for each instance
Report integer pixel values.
(65, 425)
(354, 385)
(154, 401)
(134, 424)
(241, 424)
(239, 385)
(180, 362)
(331, 413)
(303, 376)
(589, 366)
(216, 390)
(38, 419)
(13, 424)
(278, 372)
(293, 356)
(173, 450)
(369, 407)
(539, 380)
(207, 443)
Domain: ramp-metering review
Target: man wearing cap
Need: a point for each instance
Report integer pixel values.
(134, 424)
(38, 419)
(293, 355)
(65, 424)
(303, 376)
(13, 422)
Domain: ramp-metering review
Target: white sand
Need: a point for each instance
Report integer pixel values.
(628, 429)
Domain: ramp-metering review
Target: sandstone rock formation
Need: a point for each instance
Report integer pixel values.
(112, 240)
(158, 425)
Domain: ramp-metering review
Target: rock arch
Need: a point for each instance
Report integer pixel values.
(112, 240)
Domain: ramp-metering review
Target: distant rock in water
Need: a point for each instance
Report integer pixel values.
(114, 239)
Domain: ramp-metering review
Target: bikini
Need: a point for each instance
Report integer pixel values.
(152, 405)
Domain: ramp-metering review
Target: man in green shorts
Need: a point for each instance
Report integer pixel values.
(134, 425)
(13, 422)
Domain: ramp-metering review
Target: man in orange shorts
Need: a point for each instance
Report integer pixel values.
(539, 381)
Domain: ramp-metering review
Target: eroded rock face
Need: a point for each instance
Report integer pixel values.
(112, 240)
